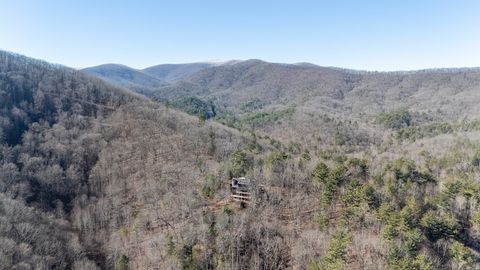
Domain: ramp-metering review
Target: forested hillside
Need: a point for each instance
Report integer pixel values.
(348, 170)
(48, 147)
(243, 84)
(272, 97)
(321, 101)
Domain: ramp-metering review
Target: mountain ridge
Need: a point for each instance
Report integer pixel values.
(349, 170)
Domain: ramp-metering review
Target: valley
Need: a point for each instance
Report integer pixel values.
(112, 167)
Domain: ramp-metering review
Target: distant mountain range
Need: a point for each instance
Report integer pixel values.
(124, 76)
(150, 77)
(451, 92)
(273, 97)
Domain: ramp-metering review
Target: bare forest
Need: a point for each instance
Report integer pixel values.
(112, 167)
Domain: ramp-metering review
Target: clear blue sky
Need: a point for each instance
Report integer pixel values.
(372, 35)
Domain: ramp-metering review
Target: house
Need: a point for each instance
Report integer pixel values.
(240, 189)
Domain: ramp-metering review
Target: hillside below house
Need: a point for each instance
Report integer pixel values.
(331, 168)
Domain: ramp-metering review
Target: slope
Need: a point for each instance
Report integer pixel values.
(95, 177)
(264, 96)
(48, 146)
(353, 92)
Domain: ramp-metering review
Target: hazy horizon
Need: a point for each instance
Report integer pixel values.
(220, 62)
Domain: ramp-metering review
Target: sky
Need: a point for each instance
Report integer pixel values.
(367, 35)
